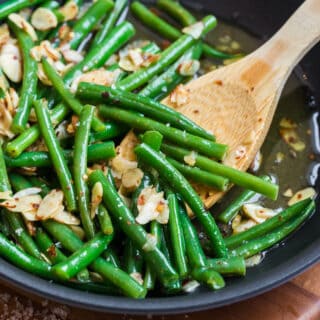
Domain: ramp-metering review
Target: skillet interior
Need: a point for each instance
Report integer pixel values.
(261, 18)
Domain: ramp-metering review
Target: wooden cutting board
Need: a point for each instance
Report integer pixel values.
(298, 299)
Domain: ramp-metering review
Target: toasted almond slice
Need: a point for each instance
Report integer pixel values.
(131, 179)
(236, 221)
(50, 204)
(44, 19)
(243, 226)
(179, 96)
(29, 215)
(69, 10)
(66, 218)
(257, 213)
(23, 24)
(42, 75)
(27, 192)
(288, 193)
(24, 204)
(189, 68)
(11, 62)
(302, 195)
(195, 30)
(72, 55)
(96, 198)
(4, 34)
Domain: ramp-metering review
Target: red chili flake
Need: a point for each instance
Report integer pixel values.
(35, 205)
(299, 195)
(165, 44)
(218, 82)
(52, 251)
(141, 200)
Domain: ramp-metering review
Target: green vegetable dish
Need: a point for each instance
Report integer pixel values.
(99, 181)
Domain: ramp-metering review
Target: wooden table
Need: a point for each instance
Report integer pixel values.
(298, 299)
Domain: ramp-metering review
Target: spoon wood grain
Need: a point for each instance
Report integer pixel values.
(237, 102)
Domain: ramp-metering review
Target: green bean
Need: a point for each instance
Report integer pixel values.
(231, 211)
(152, 139)
(16, 223)
(135, 232)
(138, 121)
(112, 257)
(141, 104)
(176, 236)
(112, 130)
(105, 220)
(88, 21)
(208, 276)
(132, 258)
(95, 287)
(80, 169)
(195, 254)
(56, 154)
(255, 246)
(4, 224)
(29, 81)
(109, 22)
(167, 57)
(177, 11)
(83, 257)
(4, 180)
(98, 55)
(116, 276)
(267, 226)
(46, 245)
(231, 266)
(96, 152)
(208, 50)
(149, 277)
(40, 183)
(200, 176)
(180, 185)
(16, 146)
(242, 179)
(161, 86)
(8, 7)
(23, 260)
(67, 96)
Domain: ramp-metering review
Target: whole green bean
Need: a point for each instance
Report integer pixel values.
(87, 22)
(240, 178)
(4, 224)
(109, 22)
(105, 220)
(138, 121)
(4, 180)
(176, 236)
(83, 257)
(96, 152)
(112, 257)
(135, 102)
(56, 154)
(267, 226)
(16, 146)
(98, 55)
(112, 130)
(116, 276)
(132, 258)
(29, 81)
(195, 254)
(80, 169)
(177, 11)
(255, 246)
(198, 175)
(208, 276)
(135, 232)
(180, 185)
(67, 96)
(8, 7)
(167, 57)
(161, 86)
(231, 266)
(152, 139)
(23, 260)
(231, 211)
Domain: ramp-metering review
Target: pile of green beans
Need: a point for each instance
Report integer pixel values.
(70, 135)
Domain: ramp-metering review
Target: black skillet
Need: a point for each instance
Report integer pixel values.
(263, 18)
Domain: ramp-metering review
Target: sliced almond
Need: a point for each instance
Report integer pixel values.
(44, 19)
(189, 68)
(257, 213)
(50, 204)
(96, 198)
(28, 204)
(243, 226)
(42, 75)
(302, 195)
(4, 34)
(72, 56)
(179, 96)
(69, 10)
(236, 221)
(23, 24)
(45, 50)
(288, 193)
(66, 218)
(11, 62)
(195, 30)
(131, 179)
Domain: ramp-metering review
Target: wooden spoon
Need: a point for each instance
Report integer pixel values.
(237, 102)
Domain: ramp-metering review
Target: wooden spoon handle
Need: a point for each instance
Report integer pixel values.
(296, 37)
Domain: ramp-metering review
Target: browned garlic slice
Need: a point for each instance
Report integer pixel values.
(71, 56)
(152, 206)
(69, 10)
(4, 34)
(43, 19)
(189, 68)
(190, 158)
(257, 213)
(131, 179)
(179, 96)
(11, 61)
(243, 226)
(302, 195)
(23, 24)
(291, 137)
(195, 30)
